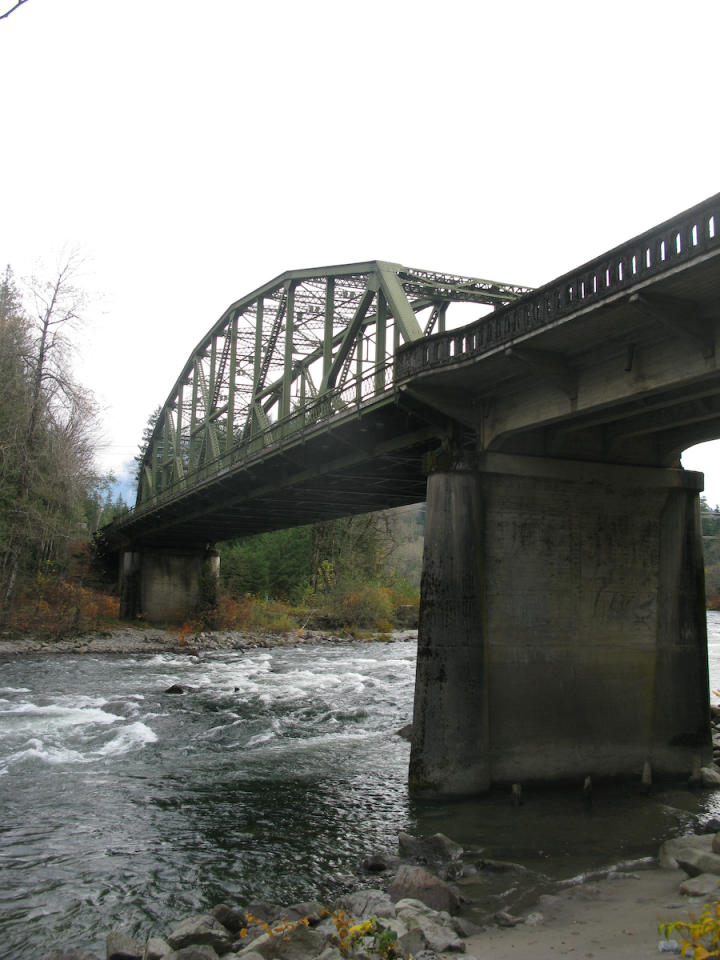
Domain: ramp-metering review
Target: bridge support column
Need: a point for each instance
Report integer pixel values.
(562, 625)
(167, 586)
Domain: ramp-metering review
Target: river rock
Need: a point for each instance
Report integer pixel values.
(202, 929)
(435, 927)
(710, 776)
(505, 919)
(196, 951)
(466, 928)
(230, 917)
(435, 849)
(379, 862)
(119, 946)
(331, 953)
(672, 851)
(264, 911)
(175, 688)
(703, 885)
(156, 949)
(384, 924)
(419, 884)
(413, 943)
(311, 910)
(364, 904)
(297, 944)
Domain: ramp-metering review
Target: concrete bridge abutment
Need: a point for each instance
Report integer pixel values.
(167, 585)
(562, 625)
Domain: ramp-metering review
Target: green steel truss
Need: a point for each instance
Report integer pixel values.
(302, 348)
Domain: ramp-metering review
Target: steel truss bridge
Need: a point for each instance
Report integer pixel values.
(300, 404)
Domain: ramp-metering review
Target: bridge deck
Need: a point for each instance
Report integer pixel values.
(613, 362)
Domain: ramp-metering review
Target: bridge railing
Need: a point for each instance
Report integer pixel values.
(349, 399)
(685, 237)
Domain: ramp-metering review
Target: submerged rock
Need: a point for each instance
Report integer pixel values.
(436, 849)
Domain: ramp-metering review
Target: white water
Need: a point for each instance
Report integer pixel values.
(122, 805)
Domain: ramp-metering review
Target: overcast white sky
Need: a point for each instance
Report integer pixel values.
(192, 151)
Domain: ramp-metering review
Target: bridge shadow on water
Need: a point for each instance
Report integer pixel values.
(555, 836)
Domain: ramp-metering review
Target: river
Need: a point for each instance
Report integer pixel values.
(122, 805)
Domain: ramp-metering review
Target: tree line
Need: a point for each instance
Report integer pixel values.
(355, 570)
(51, 495)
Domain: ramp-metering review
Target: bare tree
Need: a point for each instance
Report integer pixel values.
(12, 9)
(54, 427)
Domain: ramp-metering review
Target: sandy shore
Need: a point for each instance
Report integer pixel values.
(615, 918)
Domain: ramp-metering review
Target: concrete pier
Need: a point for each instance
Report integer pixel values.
(562, 625)
(167, 586)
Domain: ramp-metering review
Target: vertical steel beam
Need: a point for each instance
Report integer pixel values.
(179, 467)
(380, 342)
(359, 367)
(167, 450)
(303, 372)
(230, 429)
(442, 313)
(257, 365)
(287, 366)
(328, 331)
(343, 354)
(208, 400)
(213, 378)
(192, 441)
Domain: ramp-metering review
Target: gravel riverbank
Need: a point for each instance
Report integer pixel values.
(413, 913)
(138, 640)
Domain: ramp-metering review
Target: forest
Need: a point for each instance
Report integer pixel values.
(358, 573)
(52, 498)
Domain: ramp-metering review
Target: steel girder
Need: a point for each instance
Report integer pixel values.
(295, 351)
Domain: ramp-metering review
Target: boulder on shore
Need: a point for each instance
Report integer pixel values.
(417, 883)
(692, 853)
(119, 946)
(202, 929)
